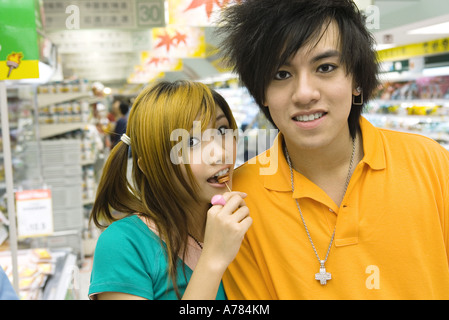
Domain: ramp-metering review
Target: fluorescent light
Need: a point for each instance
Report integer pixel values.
(363, 4)
(440, 28)
(440, 71)
(384, 46)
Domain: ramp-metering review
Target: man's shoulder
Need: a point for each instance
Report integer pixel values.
(413, 142)
(250, 171)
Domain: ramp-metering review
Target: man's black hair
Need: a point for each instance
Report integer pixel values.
(260, 35)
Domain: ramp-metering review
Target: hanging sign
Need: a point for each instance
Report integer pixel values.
(19, 50)
(152, 67)
(414, 50)
(178, 42)
(143, 75)
(148, 60)
(101, 14)
(196, 12)
(34, 213)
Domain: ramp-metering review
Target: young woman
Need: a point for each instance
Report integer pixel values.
(173, 243)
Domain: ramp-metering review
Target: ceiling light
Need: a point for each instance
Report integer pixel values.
(363, 4)
(384, 46)
(440, 28)
(432, 72)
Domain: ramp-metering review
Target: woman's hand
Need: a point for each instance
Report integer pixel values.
(226, 226)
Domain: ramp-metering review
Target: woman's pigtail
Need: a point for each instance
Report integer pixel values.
(113, 190)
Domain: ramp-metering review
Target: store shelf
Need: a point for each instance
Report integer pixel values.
(46, 99)
(50, 130)
(418, 106)
(47, 279)
(60, 285)
(412, 118)
(434, 127)
(415, 102)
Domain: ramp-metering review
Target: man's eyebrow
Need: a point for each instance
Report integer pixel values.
(325, 55)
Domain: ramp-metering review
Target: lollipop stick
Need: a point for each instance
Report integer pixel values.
(224, 179)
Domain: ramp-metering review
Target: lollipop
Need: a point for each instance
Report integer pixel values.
(224, 179)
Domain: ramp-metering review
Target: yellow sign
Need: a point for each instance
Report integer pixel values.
(10, 70)
(414, 50)
(19, 51)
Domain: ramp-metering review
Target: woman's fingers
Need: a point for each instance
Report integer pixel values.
(240, 214)
(234, 202)
(221, 199)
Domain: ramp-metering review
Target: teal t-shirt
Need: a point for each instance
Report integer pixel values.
(129, 258)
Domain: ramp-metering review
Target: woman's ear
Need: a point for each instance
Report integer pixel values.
(140, 164)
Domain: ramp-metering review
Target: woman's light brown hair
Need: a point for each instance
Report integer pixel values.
(159, 190)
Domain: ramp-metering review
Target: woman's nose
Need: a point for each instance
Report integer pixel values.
(215, 151)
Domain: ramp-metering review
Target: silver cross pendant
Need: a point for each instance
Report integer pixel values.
(323, 276)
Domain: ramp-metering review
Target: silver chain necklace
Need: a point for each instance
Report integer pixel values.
(321, 276)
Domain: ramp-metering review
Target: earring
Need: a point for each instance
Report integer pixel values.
(358, 100)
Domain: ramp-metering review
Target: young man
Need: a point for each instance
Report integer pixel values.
(120, 110)
(352, 211)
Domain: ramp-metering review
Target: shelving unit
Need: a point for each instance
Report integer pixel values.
(408, 106)
(47, 99)
(47, 279)
(68, 160)
(50, 130)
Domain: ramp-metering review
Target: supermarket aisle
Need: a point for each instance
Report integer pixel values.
(84, 279)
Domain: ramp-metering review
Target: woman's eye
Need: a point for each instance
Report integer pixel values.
(282, 75)
(326, 68)
(193, 142)
(222, 130)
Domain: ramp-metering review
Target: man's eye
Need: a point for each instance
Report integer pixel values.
(282, 75)
(326, 68)
(193, 142)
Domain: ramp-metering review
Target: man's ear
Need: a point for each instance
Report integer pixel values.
(357, 91)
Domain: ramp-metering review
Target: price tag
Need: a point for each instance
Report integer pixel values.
(34, 213)
(150, 13)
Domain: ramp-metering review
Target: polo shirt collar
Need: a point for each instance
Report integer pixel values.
(374, 156)
(280, 180)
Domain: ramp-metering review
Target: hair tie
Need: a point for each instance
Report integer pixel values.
(126, 139)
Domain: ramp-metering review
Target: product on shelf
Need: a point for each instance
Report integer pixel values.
(424, 88)
(64, 87)
(418, 106)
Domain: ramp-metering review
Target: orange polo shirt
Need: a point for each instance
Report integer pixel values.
(392, 227)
